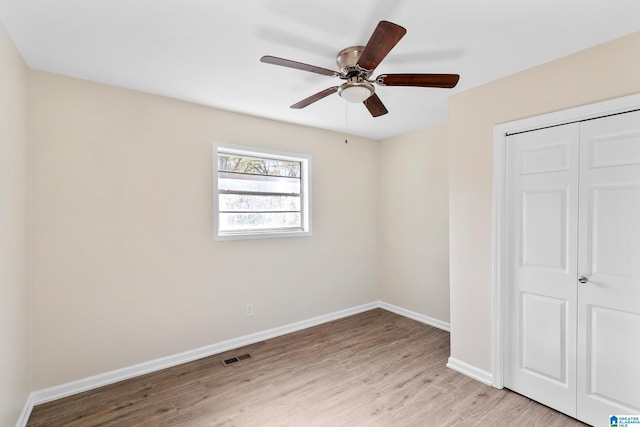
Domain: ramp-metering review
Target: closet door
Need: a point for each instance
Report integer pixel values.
(609, 261)
(541, 265)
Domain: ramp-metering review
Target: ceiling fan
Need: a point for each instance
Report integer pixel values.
(356, 65)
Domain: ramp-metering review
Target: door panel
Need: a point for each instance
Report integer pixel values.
(609, 256)
(615, 231)
(544, 354)
(544, 229)
(545, 158)
(541, 252)
(606, 329)
(612, 147)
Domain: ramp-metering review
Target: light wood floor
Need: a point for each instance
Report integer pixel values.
(371, 369)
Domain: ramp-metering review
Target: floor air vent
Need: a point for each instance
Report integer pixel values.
(236, 359)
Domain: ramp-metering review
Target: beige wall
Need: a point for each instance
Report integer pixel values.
(606, 71)
(125, 269)
(414, 233)
(15, 347)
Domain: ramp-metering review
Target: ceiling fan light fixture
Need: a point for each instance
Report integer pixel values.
(356, 64)
(355, 92)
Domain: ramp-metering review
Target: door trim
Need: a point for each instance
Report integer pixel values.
(500, 132)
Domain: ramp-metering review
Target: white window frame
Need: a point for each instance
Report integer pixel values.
(305, 191)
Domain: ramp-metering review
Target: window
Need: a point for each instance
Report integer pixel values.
(260, 193)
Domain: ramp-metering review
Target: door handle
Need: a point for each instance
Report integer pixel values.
(583, 279)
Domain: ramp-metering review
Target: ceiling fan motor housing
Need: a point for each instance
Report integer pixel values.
(356, 88)
(348, 58)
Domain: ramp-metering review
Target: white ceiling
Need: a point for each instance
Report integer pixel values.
(208, 51)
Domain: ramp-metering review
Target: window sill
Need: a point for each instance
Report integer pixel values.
(259, 235)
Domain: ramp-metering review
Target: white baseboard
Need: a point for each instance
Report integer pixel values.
(95, 381)
(26, 411)
(470, 371)
(415, 316)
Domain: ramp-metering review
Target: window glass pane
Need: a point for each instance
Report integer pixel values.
(263, 184)
(259, 221)
(249, 202)
(258, 166)
(265, 196)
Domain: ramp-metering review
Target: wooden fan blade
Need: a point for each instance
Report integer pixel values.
(297, 65)
(384, 38)
(375, 106)
(316, 97)
(421, 80)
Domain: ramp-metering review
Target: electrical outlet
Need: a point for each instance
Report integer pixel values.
(249, 309)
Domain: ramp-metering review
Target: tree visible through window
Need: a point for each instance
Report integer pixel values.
(261, 192)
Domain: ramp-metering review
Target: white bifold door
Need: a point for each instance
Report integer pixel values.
(572, 267)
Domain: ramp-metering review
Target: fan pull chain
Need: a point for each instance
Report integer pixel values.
(346, 109)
